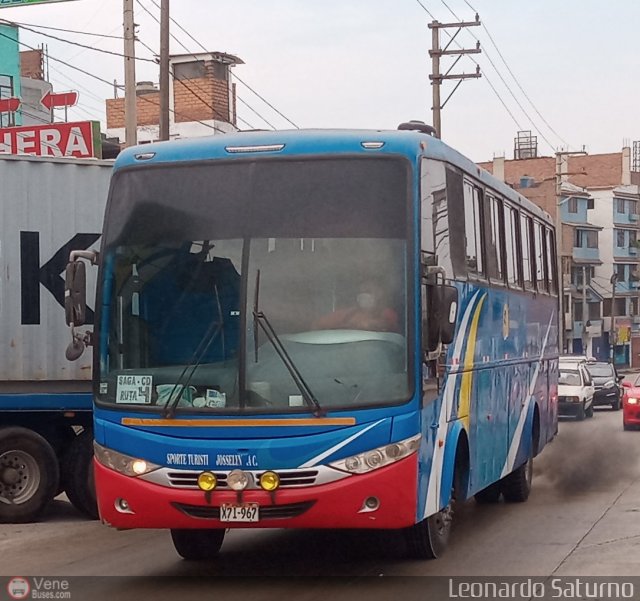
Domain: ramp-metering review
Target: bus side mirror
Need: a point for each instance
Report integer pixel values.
(440, 310)
(447, 313)
(75, 293)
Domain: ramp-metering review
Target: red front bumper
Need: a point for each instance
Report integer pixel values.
(334, 505)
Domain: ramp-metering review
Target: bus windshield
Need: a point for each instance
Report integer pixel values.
(195, 254)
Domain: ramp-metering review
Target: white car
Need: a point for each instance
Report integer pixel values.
(575, 390)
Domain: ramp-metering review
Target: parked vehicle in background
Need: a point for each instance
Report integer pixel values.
(607, 384)
(50, 206)
(631, 404)
(575, 390)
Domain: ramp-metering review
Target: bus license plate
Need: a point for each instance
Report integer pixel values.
(239, 513)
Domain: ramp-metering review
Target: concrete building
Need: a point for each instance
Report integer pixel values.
(202, 100)
(598, 209)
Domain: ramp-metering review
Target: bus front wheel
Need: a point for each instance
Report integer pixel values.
(429, 538)
(198, 545)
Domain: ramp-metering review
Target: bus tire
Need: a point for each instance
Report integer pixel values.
(516, 486)
(77, 477)
(488, 495)
(29, 475)
(198, 545)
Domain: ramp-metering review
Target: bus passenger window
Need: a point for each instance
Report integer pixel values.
(511, 246)
(473, 230)
(551, 261)
(527, 259)
(540, 257)
(494, 236)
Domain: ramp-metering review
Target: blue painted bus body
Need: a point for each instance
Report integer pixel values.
(497, 380)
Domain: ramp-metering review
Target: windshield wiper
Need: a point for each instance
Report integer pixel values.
(259, 318)
(299, 380)
(210, 335)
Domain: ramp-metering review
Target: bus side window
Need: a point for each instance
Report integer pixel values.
(542, 283)
(551, 261)
(456, 205)
(525, 246)
(511, 246)
(494, 236)
(473, 224)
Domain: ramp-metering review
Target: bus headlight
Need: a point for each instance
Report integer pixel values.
(377, 458)
(121, 463)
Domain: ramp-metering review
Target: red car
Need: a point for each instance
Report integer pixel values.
(631, 404)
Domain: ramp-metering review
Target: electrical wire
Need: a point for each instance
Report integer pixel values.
(507, 85)
(485, 77)
(183, 82)
(96, 77)
(232, 74)
(98, 35)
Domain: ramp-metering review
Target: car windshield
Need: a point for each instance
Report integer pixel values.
(601, 370)
(570, 378)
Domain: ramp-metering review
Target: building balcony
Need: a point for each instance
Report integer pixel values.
(582, 254)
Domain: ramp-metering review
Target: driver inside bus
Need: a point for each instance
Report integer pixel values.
(370, 312)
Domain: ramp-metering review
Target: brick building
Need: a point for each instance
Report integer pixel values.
(202, 100)
(597, 211)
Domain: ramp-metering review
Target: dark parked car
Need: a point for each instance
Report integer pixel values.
(607, 384)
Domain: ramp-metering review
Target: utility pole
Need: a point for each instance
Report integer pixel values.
(436, 77)
(130, 109)
(613, 335)
(585, 313)
(164, 70)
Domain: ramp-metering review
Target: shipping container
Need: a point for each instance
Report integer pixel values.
(48, 207)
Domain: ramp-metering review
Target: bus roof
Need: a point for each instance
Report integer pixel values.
(301, 142)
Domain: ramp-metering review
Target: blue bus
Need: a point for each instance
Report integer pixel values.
(317, 329)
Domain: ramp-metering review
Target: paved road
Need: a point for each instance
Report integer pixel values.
(582, 519)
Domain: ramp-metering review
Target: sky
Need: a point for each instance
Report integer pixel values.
(569, 74)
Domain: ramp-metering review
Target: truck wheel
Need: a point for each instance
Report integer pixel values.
(198, 545)
(77, 475)
(29, 475)
(516, 486)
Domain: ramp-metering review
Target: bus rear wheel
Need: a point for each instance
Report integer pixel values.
(198, 545)
(516, 486)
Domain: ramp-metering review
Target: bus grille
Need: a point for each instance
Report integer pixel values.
(290, 479)
(267, 512)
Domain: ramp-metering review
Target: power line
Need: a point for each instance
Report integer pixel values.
(505, 83)
(98, 35)
(110, 84)
(476, 62)
(53, 37)
(232, 74)
(195, 83)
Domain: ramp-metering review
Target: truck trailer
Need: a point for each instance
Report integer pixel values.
(48, 208)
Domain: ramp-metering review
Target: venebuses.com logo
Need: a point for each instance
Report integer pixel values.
(38, 587)
(18, 588)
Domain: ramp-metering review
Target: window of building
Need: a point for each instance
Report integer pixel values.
(572, 204)
(192, 70)
(620, 238)
(620, 205)
(586, 239)
(6, 91)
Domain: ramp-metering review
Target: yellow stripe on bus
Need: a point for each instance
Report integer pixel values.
(467, 376)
